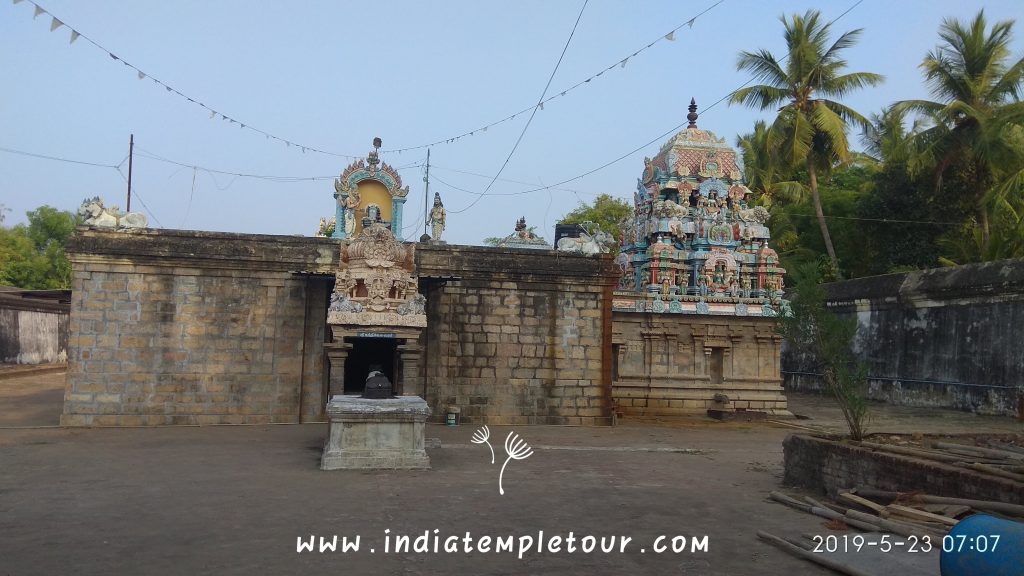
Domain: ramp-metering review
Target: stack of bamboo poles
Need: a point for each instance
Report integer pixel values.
(1002, 460)
(904, 514)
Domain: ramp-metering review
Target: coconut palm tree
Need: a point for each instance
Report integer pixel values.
(761, 170)
(810, 126)
(887, 139)
(977, 113)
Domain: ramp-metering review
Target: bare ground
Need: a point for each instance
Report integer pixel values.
(233, 500)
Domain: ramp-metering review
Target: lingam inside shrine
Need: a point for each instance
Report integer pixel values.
(695, 306)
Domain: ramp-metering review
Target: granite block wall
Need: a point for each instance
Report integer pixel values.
(948, 337)
(520, 337)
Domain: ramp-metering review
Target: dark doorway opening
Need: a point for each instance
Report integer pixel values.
(369, 354)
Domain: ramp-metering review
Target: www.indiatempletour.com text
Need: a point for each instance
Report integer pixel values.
(432, 542)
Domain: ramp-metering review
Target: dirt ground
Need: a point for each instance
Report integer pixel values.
(234, 500)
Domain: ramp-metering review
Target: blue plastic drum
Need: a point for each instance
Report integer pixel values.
(983, 545)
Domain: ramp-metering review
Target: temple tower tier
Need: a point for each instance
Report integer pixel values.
(696, 305)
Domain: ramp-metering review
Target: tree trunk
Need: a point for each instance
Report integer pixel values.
(983, 221)
(821, 217)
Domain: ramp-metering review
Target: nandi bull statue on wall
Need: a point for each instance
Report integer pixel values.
(94, 213)
(592, 241)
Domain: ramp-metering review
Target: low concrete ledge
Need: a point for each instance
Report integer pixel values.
(829, 465)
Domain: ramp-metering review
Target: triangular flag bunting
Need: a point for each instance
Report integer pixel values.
(563, 93)
(690, 23)
(17, 1)
(168, 88)
(623, 64)
(112, 56)
(54, 24)
(242, 125)
(74, 36)
(213, 114)
(670, 36)
(541, 105)
(38, 12)
(141, 75)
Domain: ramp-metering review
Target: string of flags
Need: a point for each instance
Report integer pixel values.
(56, 23)
(670, 36)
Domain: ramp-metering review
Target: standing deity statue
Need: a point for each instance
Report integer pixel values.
(437, 218)
(351, 205)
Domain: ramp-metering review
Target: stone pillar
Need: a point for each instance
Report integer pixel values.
(339, 215)
(396, 216)
(409, 355)
(337, 353)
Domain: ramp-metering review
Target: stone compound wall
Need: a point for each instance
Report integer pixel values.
(171, 327)
(182, 327)
(948, 337)
(673, 364)
(520, 338)
(828, 466)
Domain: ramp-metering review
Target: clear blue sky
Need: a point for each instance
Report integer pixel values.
(334, 75)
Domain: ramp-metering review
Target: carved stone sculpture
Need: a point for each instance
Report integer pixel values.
(94, 213)
(437, 218)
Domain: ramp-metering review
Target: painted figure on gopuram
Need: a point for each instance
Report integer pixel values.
(695, 243)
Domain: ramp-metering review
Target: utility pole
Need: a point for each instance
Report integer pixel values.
(426, 195)
(131, 151)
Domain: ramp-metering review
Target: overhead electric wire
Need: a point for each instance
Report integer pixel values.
(135, 193)
(621, 63)
(533, 113)
(75, 34)
(666, 133)
(56, 158)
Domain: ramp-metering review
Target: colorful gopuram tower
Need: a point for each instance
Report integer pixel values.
(694, 312)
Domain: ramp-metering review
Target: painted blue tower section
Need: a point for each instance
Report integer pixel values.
(396, 215)
(339, 215)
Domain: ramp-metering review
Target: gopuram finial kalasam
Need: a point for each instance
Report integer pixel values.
(437, 218)
(692, 116)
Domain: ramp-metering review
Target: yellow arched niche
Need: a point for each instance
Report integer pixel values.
(372, 192)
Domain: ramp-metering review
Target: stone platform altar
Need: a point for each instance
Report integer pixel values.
(367, 434)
